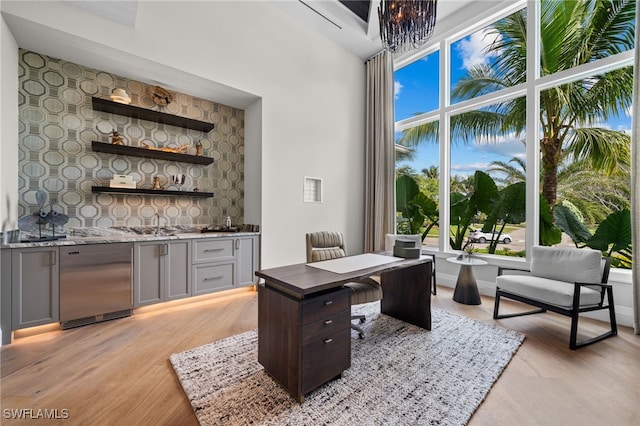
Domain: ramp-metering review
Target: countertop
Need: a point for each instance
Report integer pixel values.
(118, 235)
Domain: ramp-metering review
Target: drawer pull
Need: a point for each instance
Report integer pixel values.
(328, 302)
(217, 277)
(327, 322)
(326, 341)
(213, 249)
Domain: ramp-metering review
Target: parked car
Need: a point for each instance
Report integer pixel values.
(477, 236)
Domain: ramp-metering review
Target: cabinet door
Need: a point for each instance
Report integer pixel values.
(148, 273)
(35, 284)
(246, 260)
(178, 269)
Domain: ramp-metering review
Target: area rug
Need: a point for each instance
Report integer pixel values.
(400, 375)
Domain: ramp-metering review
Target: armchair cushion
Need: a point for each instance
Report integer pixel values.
(568, 265)
(553, 292)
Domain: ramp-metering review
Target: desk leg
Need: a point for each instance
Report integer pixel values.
(406, 294)
(466, 290)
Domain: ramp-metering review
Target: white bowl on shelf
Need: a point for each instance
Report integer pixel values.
(120, 96)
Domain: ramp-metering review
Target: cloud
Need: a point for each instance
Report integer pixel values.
(469, 167)
(397, 88)
(506, 145)
(473, 49)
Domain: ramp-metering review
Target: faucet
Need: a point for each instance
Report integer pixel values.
(157, 218)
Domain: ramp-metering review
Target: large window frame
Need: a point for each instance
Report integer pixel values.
(531, 90)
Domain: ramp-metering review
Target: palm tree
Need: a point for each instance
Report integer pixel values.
(431, 172)
(462, 184)
(594, 193)
(512, 173)
(573, 33)
(405, 170)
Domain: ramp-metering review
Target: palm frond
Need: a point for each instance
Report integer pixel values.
(605, 149)
(512, 173)
(426, 133)
(609, 31)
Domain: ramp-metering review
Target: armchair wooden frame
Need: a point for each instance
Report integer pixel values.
(606, 291)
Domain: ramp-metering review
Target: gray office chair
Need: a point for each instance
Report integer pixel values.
(390, 241)
(330, 245)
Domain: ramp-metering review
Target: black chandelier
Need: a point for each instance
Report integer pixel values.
(406, 24)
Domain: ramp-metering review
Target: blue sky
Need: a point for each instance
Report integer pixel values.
(417, 91)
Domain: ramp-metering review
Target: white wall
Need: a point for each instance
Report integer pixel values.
(8, 135)
(8, 129)
(310, 95)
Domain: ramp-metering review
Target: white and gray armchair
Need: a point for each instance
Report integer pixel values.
(567, 281)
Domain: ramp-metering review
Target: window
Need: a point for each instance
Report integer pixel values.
(487, 179)
(418, 85)
(583, 95)
(490, 59)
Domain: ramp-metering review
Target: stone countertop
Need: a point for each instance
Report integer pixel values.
(119, 236)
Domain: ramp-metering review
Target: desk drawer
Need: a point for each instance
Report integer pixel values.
(323, 306)
(326, 327)
(325, 358)
(212, 250)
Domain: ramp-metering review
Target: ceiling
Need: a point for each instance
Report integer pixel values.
(333, 19)
(343, 21)
(352, 24)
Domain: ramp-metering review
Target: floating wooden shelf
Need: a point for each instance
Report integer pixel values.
(157, 192)
(132, 111)
(148, 153)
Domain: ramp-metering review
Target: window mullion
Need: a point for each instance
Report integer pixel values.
(445, 148)
(532, 216)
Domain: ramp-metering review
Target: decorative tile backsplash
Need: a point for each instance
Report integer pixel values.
(57, 125)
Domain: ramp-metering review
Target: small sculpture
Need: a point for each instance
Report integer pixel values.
(116, 139)
(182, 149)
(198, 149)
(179, 180)
(160, 96)
(42, 217)
(157, 184)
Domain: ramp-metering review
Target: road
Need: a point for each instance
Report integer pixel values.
(517, 243)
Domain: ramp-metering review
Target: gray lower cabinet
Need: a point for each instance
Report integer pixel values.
(223, 263)
(247, 256)
(35, 287)
(161, 271)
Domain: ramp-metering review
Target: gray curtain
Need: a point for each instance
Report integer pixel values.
(379, 153)
(635, 184)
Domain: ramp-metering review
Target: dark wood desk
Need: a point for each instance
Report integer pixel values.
(304, 315)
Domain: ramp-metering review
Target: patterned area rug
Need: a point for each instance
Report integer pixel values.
(400, 375)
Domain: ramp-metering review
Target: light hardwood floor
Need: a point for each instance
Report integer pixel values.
(118, 372)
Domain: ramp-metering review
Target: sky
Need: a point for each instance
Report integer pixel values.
(417, 91)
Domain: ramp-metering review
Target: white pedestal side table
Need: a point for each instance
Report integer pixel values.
(466, 290)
